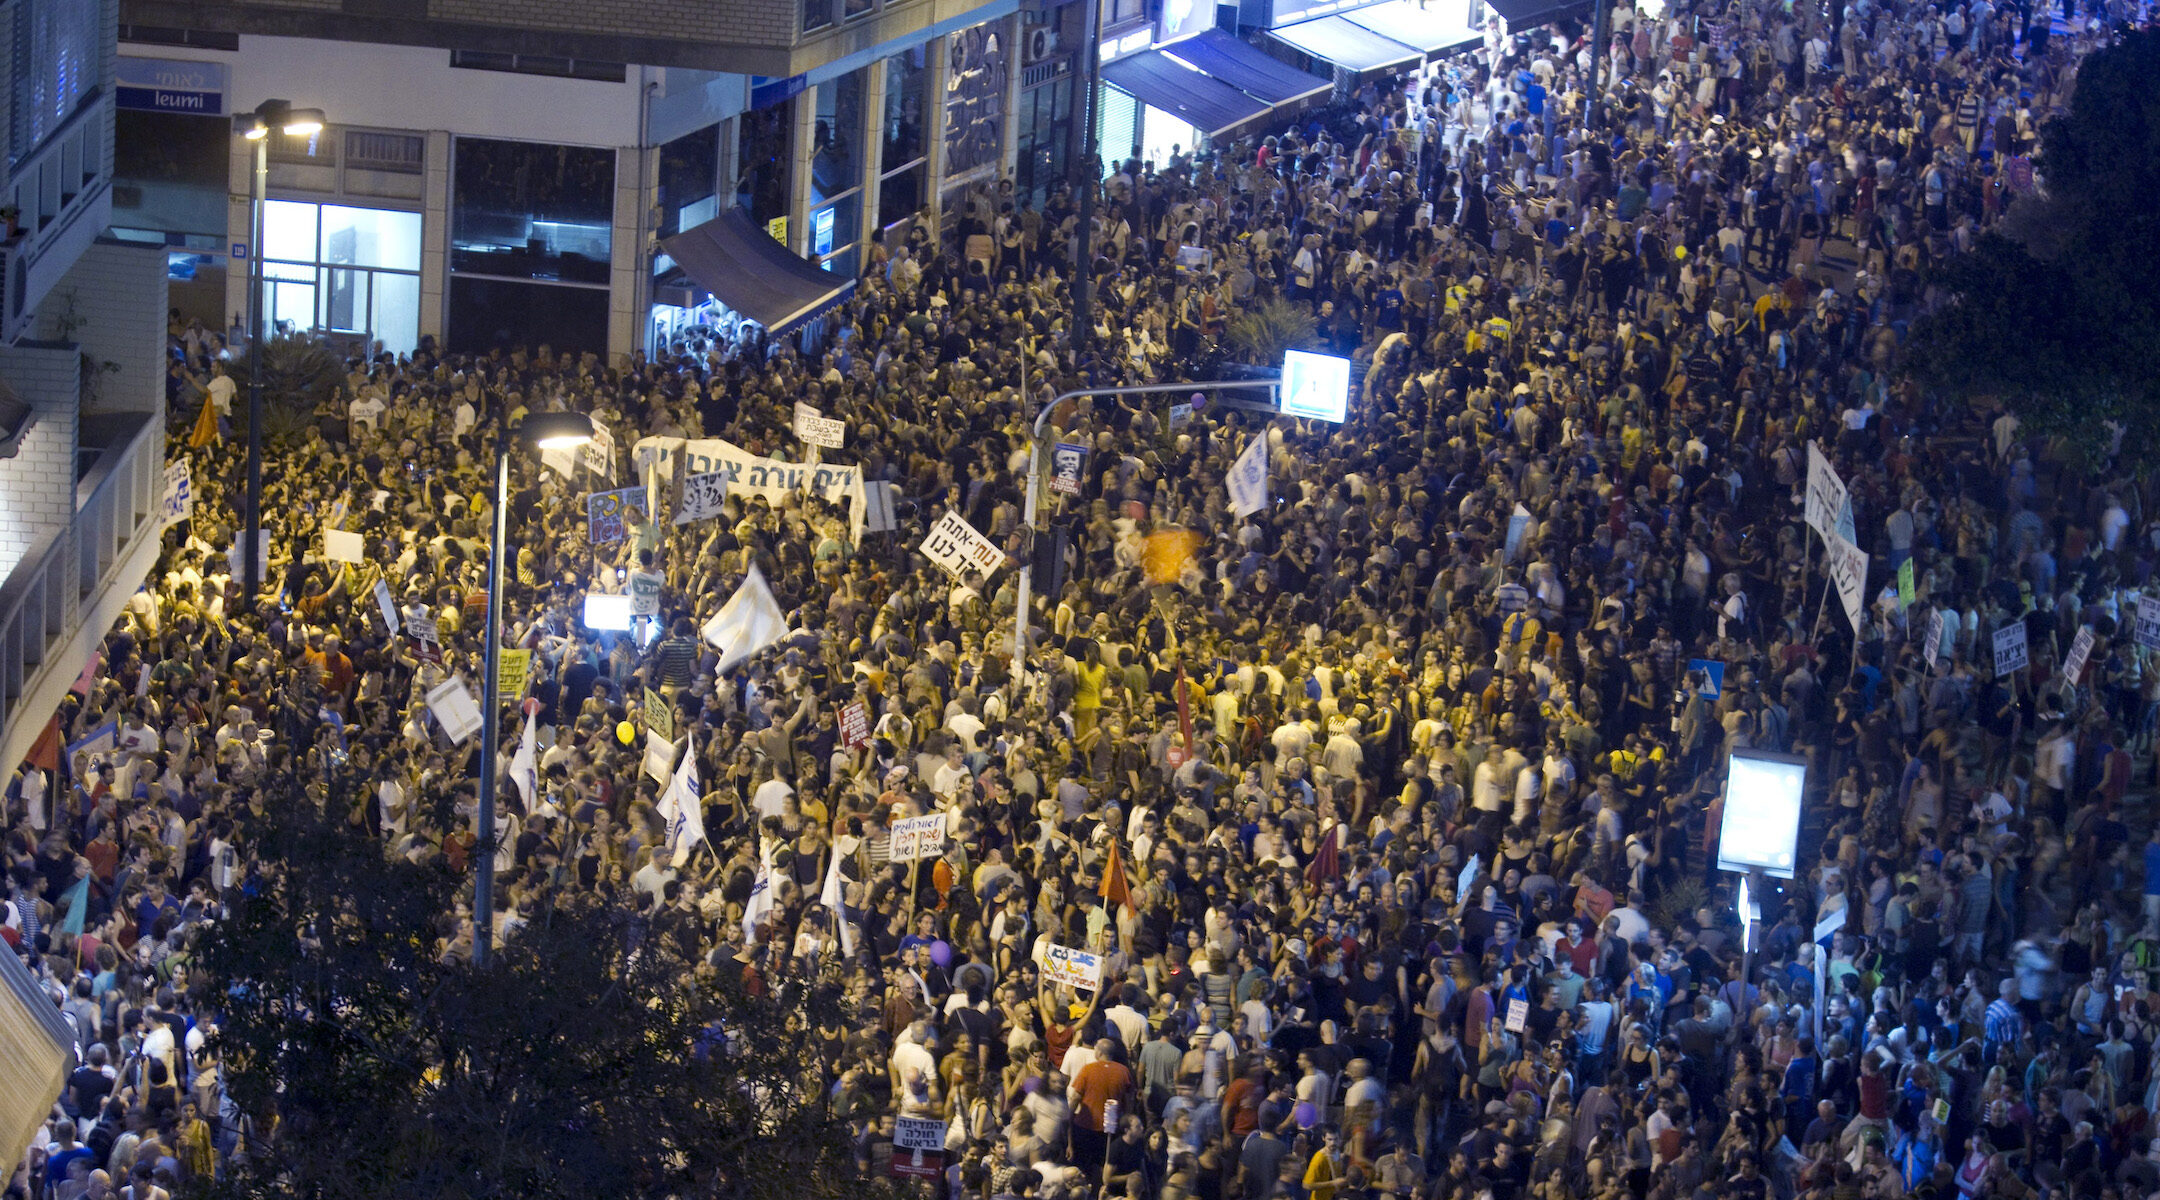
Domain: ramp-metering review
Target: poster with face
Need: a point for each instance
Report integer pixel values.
(1066, 463)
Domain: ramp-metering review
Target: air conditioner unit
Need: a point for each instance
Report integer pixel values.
(1042, 43)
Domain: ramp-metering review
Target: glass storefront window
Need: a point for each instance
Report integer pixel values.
(371, 237)
(343, 270)
(763, 152)
(836, 141)
(532, 211)
(689, 170)
(836, 225)
(975, 99)
(907, 80)
(900, 194)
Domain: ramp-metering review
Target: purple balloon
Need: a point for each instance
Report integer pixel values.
(1307, 1115)
(941, 954)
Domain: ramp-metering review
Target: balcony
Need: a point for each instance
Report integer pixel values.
(59, 601)
(61, 194)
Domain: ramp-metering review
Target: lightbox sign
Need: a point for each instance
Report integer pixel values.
(171, 85)
(1760, 830)
(1315, 386)
(1181, 19)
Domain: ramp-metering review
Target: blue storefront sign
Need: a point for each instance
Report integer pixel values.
(171, 85)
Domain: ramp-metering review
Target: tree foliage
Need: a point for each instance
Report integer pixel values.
(582, 1063)
(1260, 335)
(2056, 313)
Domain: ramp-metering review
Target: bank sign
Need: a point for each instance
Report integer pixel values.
(170, 85)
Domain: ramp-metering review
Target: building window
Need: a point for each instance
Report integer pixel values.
(836, 162)
(524, 210)
(816, 14)
(907, 81)
(762, 149)
(504, 314)
(403, 153)
(343, 271)
(851, 9)
(57, 62)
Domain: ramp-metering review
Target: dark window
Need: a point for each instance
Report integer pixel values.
(165, 35)
(762, 150)
(689, 169)
(169, 172)
(531, 211)
(539, 64)
(405, 153)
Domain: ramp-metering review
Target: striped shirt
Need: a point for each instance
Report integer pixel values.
(2004, 1025)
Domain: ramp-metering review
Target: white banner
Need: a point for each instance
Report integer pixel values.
(818, 429)
(956, 547)
(1070, 967)
(342, 547)
(2010, 648)
(388, 606)
(178, 503)
(755, 474)
(2080, 650)
(2147, 627)
(1848, 566)
(1249, 477)
(918, 837)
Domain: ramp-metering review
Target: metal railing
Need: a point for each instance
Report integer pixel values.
(44, 599)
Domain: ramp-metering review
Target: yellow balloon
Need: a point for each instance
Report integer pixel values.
(626, 733)
(1679, 252)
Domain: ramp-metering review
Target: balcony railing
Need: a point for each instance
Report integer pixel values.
(64, 580)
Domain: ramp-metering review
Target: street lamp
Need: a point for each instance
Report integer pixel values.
(543, 431)
(255, 127)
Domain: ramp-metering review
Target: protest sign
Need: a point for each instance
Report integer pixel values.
(659, 754)
(1847, 565)
(956, 548)
(452, 703)
(1071, 968)
(1829, 504)
(818, 429)
(513, 672)
(2010, 648)
(918, 837)
(2080, 650)
(388, 606)
(342, 547)
(2147, 627)
(918, 1148)
(702, 496)
(178, 503)
(1066, 464)
(1933, 650)
(608, 514)
(1518, 1016)
(598, 455)
(659, 714)
(873, 509)
(1248, 478)
(1906, 591)
(238, 562)
(854, 725)
(427, 640)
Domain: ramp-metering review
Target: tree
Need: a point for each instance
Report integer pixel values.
(586, 1062)
(2056, 313)
(1260, 335)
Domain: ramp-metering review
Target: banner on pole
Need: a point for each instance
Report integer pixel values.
(178, 503)
(1829, 504)
(956, 547)
(753, 474)
(1249, 477)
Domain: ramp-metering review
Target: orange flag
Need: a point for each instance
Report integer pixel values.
(1114, 888)
(205, 431)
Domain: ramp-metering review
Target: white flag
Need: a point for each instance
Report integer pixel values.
(761, 896)
(683, 808)
(833, 897)
(1249, 477)
(525, 767)
(750, 621)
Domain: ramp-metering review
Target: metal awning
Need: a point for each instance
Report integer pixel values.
(1248, 68)
(754, 275)
(1434, 28)
(1157, 80)
(1350, 46)
(1529, 14)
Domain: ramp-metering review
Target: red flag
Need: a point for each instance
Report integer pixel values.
(1326, 864)
(45, 752)
(1114, 888)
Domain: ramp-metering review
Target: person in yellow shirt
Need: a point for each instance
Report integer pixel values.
(1089, 676)
(1324, 1174)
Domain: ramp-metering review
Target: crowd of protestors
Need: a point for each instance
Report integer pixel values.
(1394, 833)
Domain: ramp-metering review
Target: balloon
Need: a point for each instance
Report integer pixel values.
(626, 733)
(1307, 1115)
(941, 953)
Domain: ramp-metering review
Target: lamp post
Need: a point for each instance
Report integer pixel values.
(543, 431)
(255, 127)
